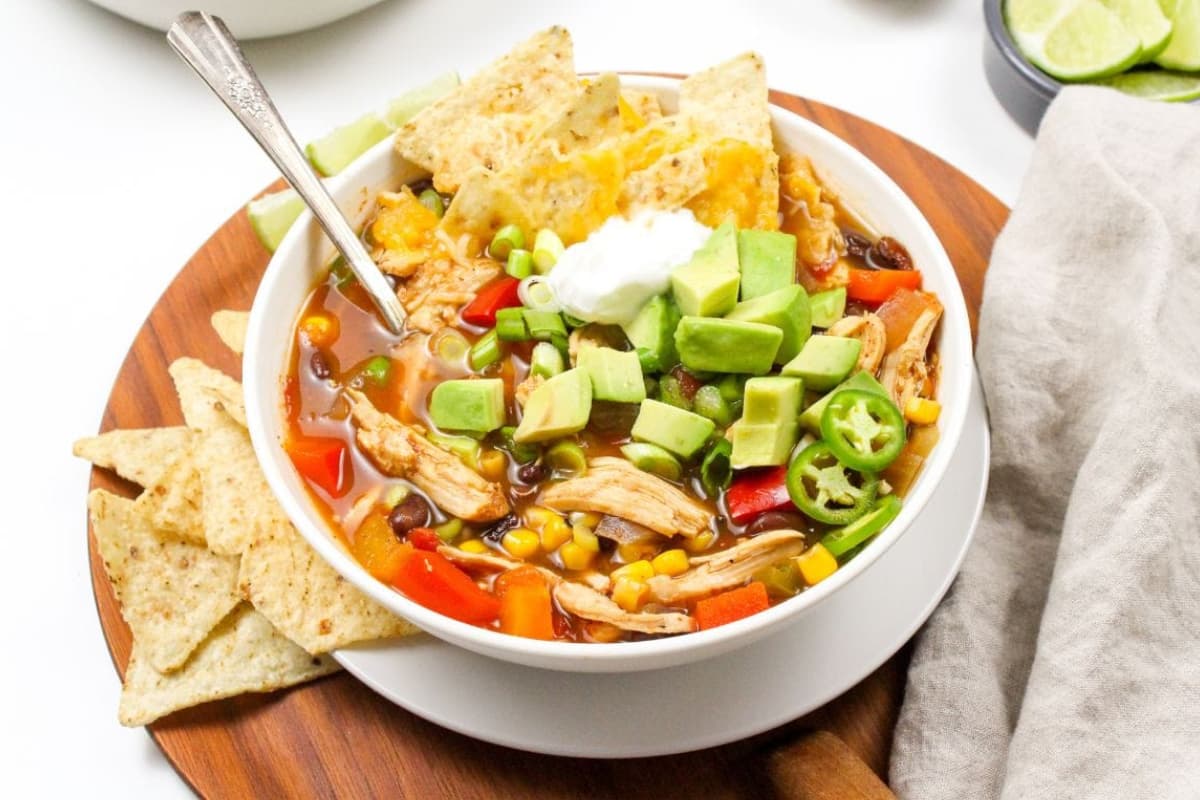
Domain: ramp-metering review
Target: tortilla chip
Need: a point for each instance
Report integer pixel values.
(238, 503)
(487, 121)
(729, 101)
(230, 399)
(172, 593)
(173, 502)
(639, 108)
(243, 654)
(590, 118)
(485, 203)
(306, 599)
(667, 184)
(231, 328)
(202, 392)
(141, 456)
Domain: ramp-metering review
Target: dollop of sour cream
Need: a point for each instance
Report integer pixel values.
(609, 276)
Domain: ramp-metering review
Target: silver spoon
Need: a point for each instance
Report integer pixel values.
(208, 47)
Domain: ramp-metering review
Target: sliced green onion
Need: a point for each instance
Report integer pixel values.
(341, 273)
(506, 240)
(573, 322)
(708, 402)
(466, 448)
(670, 392)
(543, 325)
(485, 351)
(433, 201)
(715, 471)
(449, 345)
(520, 263)
(546, 361)
(535, 293)
(653, 459)
(449, 530)
(510, 325)
(521, 453)
(377, 370)
(567, 459)
(547, 249)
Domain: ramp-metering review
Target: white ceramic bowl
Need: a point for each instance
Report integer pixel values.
(248, 19)
(302, 260)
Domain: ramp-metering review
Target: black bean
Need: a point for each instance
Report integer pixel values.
(501, 527)
(856, 244)
(319, 365)
(776, 520)
(531, 473)
(411, 512)
(887, 253)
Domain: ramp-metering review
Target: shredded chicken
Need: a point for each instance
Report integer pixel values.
(402, 451)
(577, 599)
(728, 568)
(904, 370)
(810, 214)
(869, 330)
(614, 486)
(436, 289)
(526, 387)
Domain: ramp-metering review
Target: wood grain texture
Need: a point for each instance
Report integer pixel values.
(334, 737)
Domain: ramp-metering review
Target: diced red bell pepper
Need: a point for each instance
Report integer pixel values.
(323, 460)
(873, 286)
(424, 539)
(498, 294)
(429, 579)
(753, 493)
(731, 606)
(525, 605)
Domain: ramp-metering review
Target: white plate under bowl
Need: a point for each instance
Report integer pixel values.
(750, 690)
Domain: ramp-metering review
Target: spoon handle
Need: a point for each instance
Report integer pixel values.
(208, 47)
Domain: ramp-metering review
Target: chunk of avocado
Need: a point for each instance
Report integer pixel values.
(771, 400)
(468, 405)
(559, 406)
(707, 286)
(767, 261)
(824, 361)
(827, 307)
(671, 428)
(810, 418)
(786, 309)
(727, 345)
(757, 445)
(615, 375)
(652, 334)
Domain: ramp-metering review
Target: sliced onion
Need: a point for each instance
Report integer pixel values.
(536, 293)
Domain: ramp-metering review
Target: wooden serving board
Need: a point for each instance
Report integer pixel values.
(334, 737)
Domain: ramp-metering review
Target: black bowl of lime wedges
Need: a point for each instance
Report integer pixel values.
(1146, 48)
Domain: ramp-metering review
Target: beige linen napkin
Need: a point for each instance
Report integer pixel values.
(1065, 661)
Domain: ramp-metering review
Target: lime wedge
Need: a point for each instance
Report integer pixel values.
(335, 150)
(272, 214)
(406, 106)
(1156, 84)
(1146, 20)
(1073, 40)
(1183, 50)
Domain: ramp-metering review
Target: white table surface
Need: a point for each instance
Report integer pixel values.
(118, 164)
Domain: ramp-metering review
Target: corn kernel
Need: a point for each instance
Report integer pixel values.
(700, 542)
(521, 543)
(816, 564)
(536, 517)
(473, 546)
(493, 464)
(396, 495)
(629, 593)
(320, 330)
(641, 570)
(920, 411)
(636, 551)
(585, 538)
(670, 562)
(574, 556)
(554, 533)
(585, 518)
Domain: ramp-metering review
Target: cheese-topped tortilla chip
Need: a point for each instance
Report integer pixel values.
(231, 328)
(638, 108)
(489, 119)
(243, 654)
(306, 599)
(141, 456)
(729, 101)
(172, 593)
